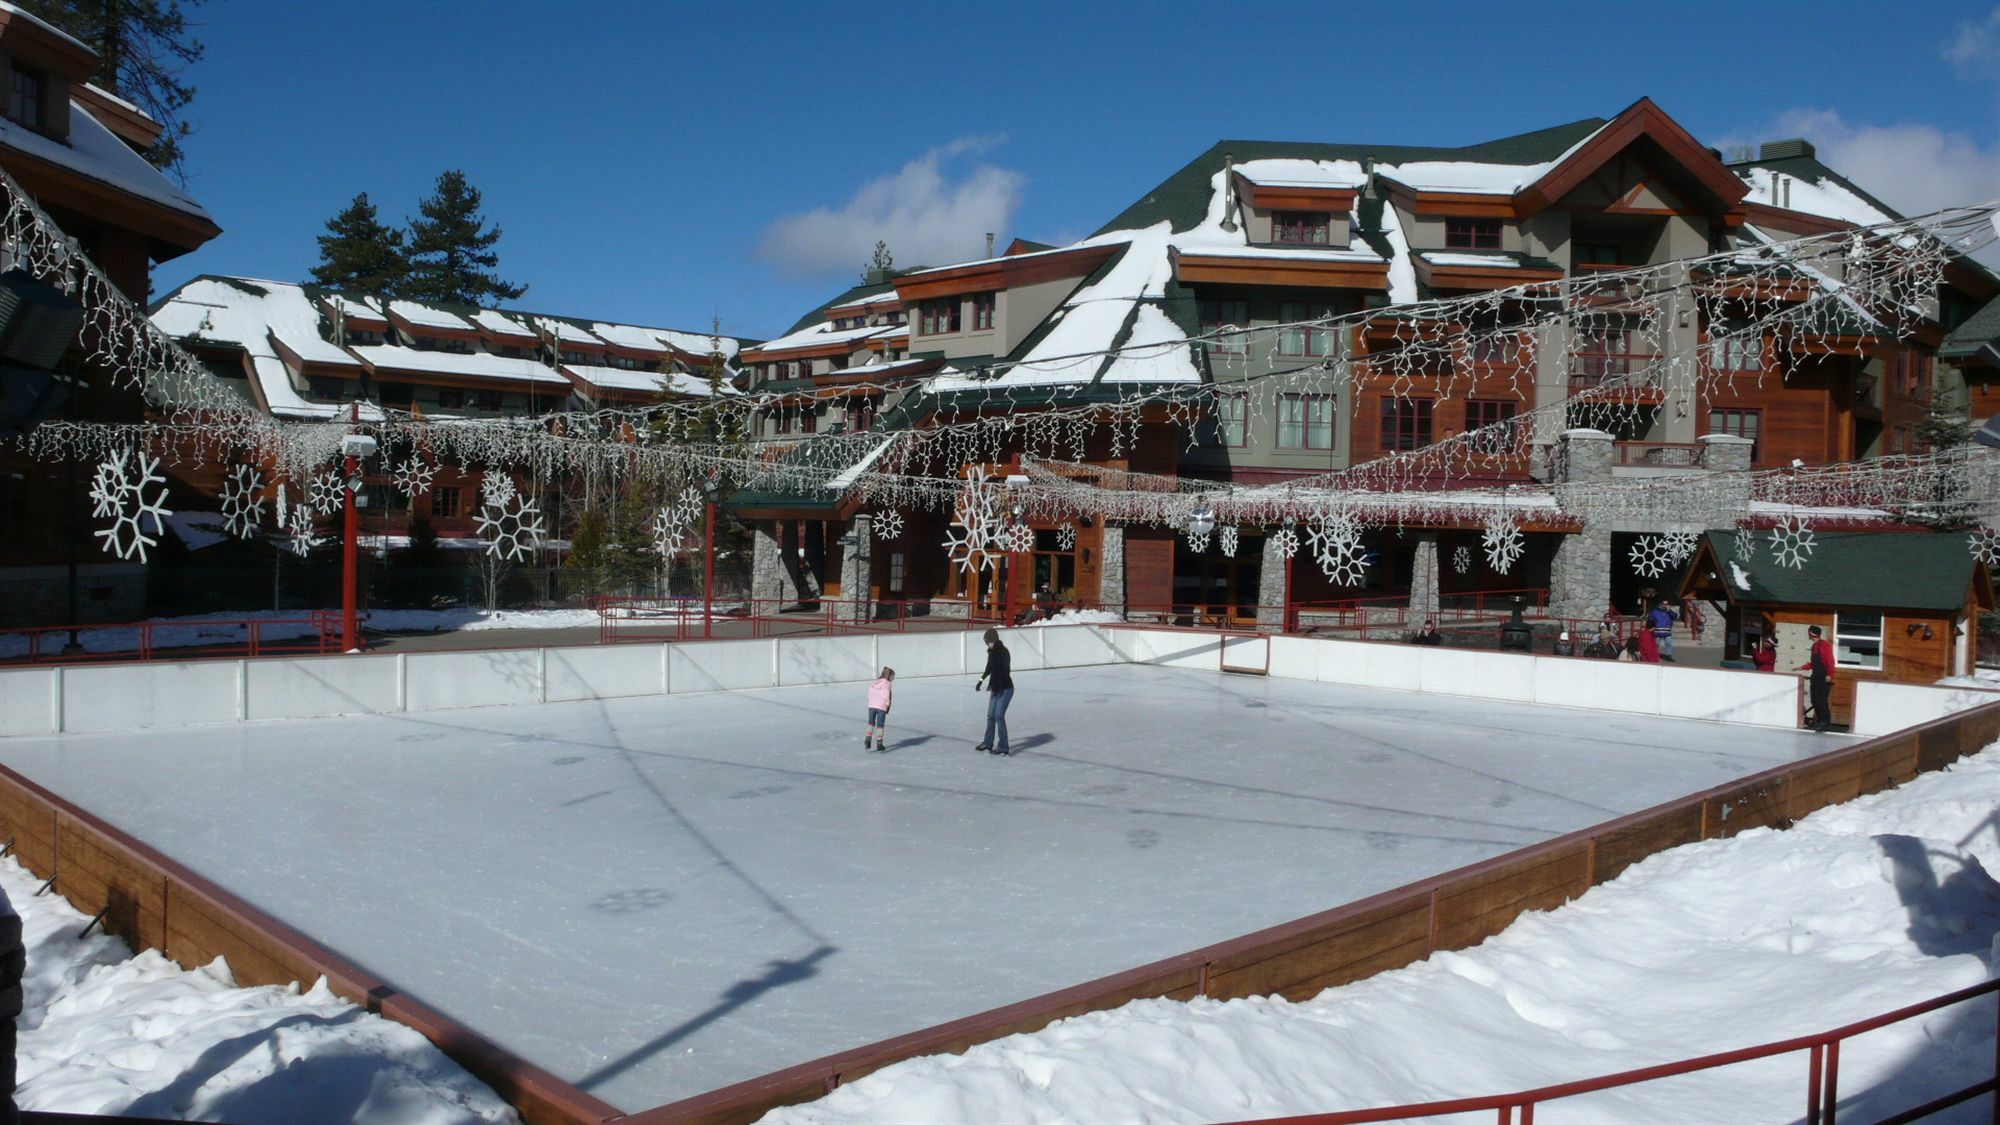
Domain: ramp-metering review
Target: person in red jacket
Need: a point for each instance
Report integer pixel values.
(1766, 656)
(1819, 665)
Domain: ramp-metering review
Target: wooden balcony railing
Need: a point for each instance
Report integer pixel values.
(1590, 369)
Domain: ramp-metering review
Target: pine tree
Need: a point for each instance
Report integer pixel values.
(451, 254)
(357, 254)
(884, 263)
(142, 47)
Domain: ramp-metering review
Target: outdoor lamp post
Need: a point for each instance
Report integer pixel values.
(709, 489)
(354, 447)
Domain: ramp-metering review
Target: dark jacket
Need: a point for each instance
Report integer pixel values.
(999, 674)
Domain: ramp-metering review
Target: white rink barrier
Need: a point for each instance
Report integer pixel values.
(163, 693)
(1880, 708)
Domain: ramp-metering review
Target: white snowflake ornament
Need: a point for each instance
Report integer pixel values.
(1984, 543)
(1679, 546)
(242, 508)
(496, 490)
(512, 528)
(1197, 541)
(1066, 537)
(1461, 559)
(324, 495)
(1503, 543)
(1227, 541)
(1285, 541)
(413, 477)
(1649, 556)
(124, 496)
(1791, 542)
(1335, 541)
(888, 525)
(1018, 539)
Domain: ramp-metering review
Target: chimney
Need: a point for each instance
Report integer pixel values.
(1228, 192)
(989, 244)
(1789, 147)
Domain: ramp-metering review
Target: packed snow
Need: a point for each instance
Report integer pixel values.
(1294, 172)
(105, 1032)
(259, 317)
(1857, 910)
(202, 630)
(1824, 198)
(1980, 678)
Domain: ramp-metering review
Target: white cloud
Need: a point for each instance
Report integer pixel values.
(930, 212)
(1913, 168)
(1975, 49)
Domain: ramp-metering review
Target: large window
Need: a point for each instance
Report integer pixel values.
(1305, 421)
(1301, 339)
(982, 311)
(1735, 346)
(1857, 640)
(24, 102)
(444, 503)
(1228, 422)
(1472, 234)
(936, 318)
(1406, 424)
(1217, 316)
(1497, 434)
(1307, 228)
(1739, 423)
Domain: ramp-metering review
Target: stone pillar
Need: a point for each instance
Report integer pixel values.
(1726, 453)
(1423, 581)
(854, 572)
(1584, 455)
(767, 568)
(1111, 570)
(1580, 574)
(1271, 591)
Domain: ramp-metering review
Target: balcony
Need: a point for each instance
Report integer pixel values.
(1626, 370)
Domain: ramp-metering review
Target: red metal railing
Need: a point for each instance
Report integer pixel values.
(190, 639)
(1822, 1077)
(635, 619)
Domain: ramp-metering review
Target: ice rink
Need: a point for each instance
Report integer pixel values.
(655, 897)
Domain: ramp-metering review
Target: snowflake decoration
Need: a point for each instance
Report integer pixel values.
(324, 496)
(973, 540)
(1461, 559)
(671, 525)
(1018, 539)
(512, 527)
(1197, 541)
(1285, 541)
(1984, 542)
(1066, 537)
(1680, 546)
(242, 510)
(1791, 542)
(122, 497)
(889, 525)
(1335, 541)
(1228, 537)
(413, 477)
(1649, 556)
(1746, 547)
(496, 490)
(1503, 543)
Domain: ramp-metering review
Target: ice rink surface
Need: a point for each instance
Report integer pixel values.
(656, 897)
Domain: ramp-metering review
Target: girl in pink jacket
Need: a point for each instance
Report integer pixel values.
(881, 694)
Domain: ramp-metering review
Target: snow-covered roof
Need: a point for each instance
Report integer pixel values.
(1279, 172)
(825, 333)
(500, 323)
(96, 152)
(1359, 253)
(1000, 259)
(1465, 177)
(565, 331)
(1825, 198)
(428, 317)
(355, 308)
(620, 379)
(1482, 261)
(889, 298)
(474, 364)
(251, 315)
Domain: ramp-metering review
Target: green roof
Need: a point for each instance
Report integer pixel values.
(1980, 329)
(1863, 569)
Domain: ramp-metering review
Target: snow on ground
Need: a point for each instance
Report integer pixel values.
(1081, 617)
(1980, 678)
(1858, 910)
(208, 629)
(105, 1032)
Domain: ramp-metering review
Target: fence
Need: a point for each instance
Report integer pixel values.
(646, 619)
(315, 632)
(1822, 1076)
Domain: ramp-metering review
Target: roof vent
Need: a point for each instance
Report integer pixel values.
(1780, 150)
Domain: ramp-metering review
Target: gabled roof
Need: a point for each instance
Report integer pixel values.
(1640, 121)
(1979, 334)
(1858, 569)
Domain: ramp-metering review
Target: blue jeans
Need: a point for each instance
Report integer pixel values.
(996, 715)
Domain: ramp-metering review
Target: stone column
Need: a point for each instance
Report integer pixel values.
(1423, 581)
(1584, 455)
(1271, 590)
(1580, 574)
(854, 572)
(767, 568)
(1111, 570)
(1726, 453)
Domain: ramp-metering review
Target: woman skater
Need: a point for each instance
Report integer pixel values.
(881, 694)
(999, 673)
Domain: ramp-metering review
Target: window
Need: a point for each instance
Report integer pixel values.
(1228, 422)
(1736, 347)
(1503, 438)
(860, 413)
(1857, 640)
(322, 387)
(24, 103)
(1305, 421)
(781, 420)
(937, 318)
(486, 400)
(1899, 440)
(1497, 349)
(1406, 424)
(895, 572)
(1300, 227)
(808, 417)
(1301, 340)
(444, 503)
(1741, 423)
(1603, 255)
(982, 311)
(451, 397)
(395, 394)
(1217, 315)
(1472, 234)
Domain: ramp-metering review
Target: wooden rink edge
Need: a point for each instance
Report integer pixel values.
(155, 902)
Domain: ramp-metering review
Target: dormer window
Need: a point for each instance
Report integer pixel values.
(1304, 228)
(939, 317)
(1472, 234)
(25, 97)
(982, 311)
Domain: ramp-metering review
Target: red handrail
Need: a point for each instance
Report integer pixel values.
(1822, 1077)
(44, 643)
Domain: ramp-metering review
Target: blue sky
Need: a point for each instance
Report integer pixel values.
(661, 163)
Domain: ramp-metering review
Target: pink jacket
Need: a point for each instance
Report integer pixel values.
(879, 694)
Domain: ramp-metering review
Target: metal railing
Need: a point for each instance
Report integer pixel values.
(640, 619)
(1822, 1077)
(316, 631)
(1590, 369)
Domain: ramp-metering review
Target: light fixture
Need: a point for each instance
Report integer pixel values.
(1201, 521)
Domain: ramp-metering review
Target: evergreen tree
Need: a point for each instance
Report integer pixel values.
(142, 47)
(450, 251)
(357, 254)
(883, 263)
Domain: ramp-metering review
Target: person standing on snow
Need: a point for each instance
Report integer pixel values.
(999, 673)
(881, 695)
(1820, 667)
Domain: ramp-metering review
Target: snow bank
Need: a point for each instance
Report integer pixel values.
(1988, 678)
(202, 629)
(1859, 909)
(105, 1032)
(1080, 617)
